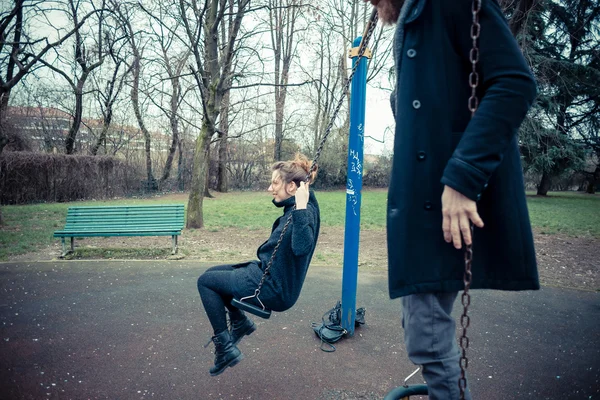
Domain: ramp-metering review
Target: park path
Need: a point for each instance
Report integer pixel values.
(135, 330)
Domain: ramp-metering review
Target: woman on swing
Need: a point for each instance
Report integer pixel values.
(220, 284)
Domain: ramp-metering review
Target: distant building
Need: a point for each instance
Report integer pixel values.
(46, 129)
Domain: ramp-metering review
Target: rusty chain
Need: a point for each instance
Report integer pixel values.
(468, 276)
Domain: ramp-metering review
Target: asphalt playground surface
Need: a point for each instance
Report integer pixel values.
(136, 330)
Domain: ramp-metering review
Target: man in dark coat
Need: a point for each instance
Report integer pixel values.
(450, 171)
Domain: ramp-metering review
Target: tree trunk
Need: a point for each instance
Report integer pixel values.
(172, 149)
(593, 181)
(102, 137)
(207, 176)
(81, 59)
(343, 68)
(276, 33)
(4, 95)
(180, 166)
(544, 185)
(74, 129)
(282, 22)
(109, 97)
(213, 76)
(207, 185)
(174, 122)
(5, 88)
(222, 184)
(278, 130)
(151, 183)
(195, 218)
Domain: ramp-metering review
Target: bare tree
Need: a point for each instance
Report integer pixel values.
(327, 83)
(87, 60)
(174, 73)
(172, 58)
(212, 72)
(247, 64)
(222, 182)
(337, 26)
(125, 11)
(21, 51)
(223, 132)
(283, 18)
(108, 97)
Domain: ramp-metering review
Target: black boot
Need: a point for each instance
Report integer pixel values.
(226, 353)
(240, 328)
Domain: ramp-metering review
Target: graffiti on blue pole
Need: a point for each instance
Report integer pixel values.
(353, 191)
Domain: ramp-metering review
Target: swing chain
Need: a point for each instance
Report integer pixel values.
(371, 24)
(268, 267)
(468, 276)
(465, 321)
(361, 51)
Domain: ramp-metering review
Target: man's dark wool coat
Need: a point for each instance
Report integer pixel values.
(284, 281)
(438, 144)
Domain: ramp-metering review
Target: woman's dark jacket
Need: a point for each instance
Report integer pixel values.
(284, 282)
(437, 144)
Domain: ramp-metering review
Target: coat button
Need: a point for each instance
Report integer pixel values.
(416, 104)
(428, 206)
(421, 156)
(411, 53)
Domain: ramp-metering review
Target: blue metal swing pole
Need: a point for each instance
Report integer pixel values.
(353, 188)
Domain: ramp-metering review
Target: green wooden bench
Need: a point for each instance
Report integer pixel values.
(160, 220)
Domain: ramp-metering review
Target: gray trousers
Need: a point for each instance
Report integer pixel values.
(430, 338)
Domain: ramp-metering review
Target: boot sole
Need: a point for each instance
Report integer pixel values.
(230, 364)
(247, 333)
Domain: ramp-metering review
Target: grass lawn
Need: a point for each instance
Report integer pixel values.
(574, 214)
(30, 227)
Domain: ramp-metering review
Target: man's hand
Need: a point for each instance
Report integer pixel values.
(302, 196)
(458, 212)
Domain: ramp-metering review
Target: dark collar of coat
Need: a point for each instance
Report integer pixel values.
(287, 203)
(414, 10)
(409, 12)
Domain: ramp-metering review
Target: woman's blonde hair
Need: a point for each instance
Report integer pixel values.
(295, 170)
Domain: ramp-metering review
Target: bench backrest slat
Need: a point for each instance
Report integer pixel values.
(126, 217)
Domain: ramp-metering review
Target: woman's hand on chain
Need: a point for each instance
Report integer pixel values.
(302, 196)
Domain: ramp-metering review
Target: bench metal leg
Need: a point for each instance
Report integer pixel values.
(64, 250)
(174, 240)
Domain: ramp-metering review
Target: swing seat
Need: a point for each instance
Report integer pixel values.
(251, 308)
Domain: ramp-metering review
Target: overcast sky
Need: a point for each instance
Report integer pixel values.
(379, 120)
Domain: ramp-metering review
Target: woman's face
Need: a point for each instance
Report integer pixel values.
(279, 189)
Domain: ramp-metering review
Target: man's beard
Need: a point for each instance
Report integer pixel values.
(389, 11)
